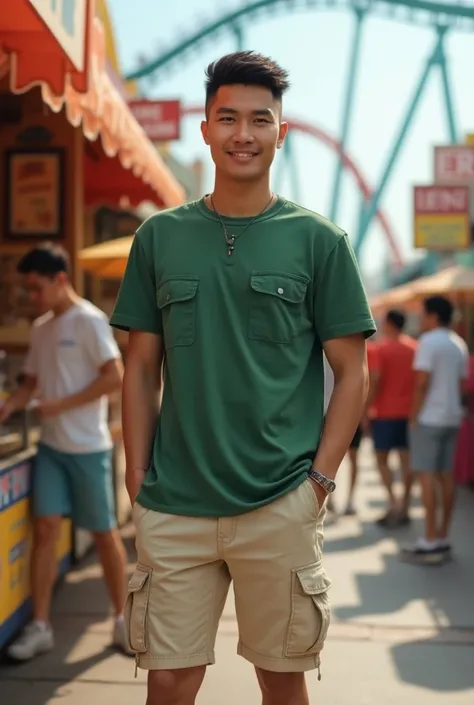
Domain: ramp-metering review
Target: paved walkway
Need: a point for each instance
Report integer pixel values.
(401, 633)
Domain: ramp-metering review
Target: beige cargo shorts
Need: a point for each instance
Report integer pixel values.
(273, 556)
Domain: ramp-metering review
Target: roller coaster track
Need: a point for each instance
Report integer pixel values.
(333, 144)
(450, 15)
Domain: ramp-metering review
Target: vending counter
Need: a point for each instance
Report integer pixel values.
(15, 542)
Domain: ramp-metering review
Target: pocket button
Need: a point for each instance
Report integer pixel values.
(280, 291)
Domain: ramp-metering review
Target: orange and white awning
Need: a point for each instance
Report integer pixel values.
(33, 57)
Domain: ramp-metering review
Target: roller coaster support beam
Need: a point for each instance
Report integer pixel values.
(371, 206)
(347, 109)
(448, 99)
(239, 37)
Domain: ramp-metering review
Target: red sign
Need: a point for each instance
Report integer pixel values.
(454, 165)
(161, 119)
(441, 199)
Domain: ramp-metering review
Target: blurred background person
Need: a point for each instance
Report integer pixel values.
(391, 397)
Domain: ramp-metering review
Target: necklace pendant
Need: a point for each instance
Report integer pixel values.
(230, 250)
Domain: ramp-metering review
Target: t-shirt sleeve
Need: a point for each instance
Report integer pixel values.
(100, 341)
(136, 307)
(30, 366)
(340, 303)
(424, 358)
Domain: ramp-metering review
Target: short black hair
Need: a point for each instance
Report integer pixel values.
(246, 68)
(441, 307)
(396, 318)
(47, 260)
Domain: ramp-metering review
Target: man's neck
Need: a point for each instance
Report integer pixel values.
(70, 299)
(241, 200)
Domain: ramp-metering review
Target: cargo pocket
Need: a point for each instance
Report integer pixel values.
(310, 612)
(136, 609)
(176, 299)
(277, 307)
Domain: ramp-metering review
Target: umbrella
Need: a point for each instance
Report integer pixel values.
(452, 281)
(108, 259)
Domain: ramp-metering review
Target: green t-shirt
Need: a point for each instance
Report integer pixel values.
(242, 406)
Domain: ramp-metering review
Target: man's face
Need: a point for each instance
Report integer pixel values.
(428, 321)
(243, 130)
(45, 292)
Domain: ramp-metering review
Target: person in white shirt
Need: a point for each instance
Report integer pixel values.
(441, 366)
(73, 364)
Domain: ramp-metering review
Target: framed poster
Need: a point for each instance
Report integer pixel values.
(34, 194)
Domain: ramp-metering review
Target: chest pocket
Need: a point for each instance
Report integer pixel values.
(277, 309)
(176, 299)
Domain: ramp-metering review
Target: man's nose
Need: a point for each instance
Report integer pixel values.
(243, 132)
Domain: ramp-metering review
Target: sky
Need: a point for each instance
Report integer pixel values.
(314, 46)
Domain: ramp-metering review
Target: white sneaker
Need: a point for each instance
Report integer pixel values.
(36, 639)
(119, 638)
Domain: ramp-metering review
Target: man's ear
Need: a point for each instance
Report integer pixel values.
(204, 131)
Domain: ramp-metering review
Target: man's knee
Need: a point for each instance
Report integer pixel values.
(174, 687)
(46, 530)
(282, 688)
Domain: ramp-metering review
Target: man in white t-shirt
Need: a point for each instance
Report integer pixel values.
(73, 364)
(441, 366)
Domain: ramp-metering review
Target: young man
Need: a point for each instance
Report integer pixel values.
(442, 367)
(238, 293)
(74, 364)
(391, 394)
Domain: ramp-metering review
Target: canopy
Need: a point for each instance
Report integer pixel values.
(33, 57)
(108, 259)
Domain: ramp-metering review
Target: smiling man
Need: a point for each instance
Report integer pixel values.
(238, 294)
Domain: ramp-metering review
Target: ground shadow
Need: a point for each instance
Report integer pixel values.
(79, 605)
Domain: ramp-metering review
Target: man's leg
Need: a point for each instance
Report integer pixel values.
(274, 556)
(424, 454)
(90, 476)
(381, 440)
(446, 481)
(175, 599)
(401, 442)
(50, 502)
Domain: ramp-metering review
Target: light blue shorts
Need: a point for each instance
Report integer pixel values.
(78, 485)
(433, 448)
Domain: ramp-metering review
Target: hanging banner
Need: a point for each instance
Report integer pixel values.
(454, 164)
(160, 119)
(441, 218)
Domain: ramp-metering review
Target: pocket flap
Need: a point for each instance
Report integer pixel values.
(175, 290)
(313, 579)
(283, 286)
(139, 578)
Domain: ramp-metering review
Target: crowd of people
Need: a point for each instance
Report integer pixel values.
(415, 407)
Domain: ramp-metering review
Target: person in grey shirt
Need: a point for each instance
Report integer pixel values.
(441, 365)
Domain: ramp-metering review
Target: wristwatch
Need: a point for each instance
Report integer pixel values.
(327, 484)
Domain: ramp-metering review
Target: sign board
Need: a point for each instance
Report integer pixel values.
(454, 164)
(161, 119)
(442, 218)
(66, 20)
(470, 139)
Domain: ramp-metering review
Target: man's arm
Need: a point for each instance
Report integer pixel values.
(422, 385)
(108, 381)
(19, 399)
(141, 398)
(348, 361)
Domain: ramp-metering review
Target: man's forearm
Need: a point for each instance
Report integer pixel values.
(419, 397)
(102, 386)
(20, 398)
(140, 408)
(342, 418)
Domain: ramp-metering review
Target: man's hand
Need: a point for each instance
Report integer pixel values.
(6, 410)
(319, 491)
(47, 408)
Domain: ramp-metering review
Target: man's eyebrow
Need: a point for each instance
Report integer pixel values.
(232, 111)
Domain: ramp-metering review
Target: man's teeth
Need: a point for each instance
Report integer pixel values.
(242, 154)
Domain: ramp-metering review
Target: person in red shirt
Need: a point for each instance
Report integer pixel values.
(391, 395)
(362, 429)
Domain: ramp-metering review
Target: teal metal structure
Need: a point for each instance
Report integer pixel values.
(442, 17)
